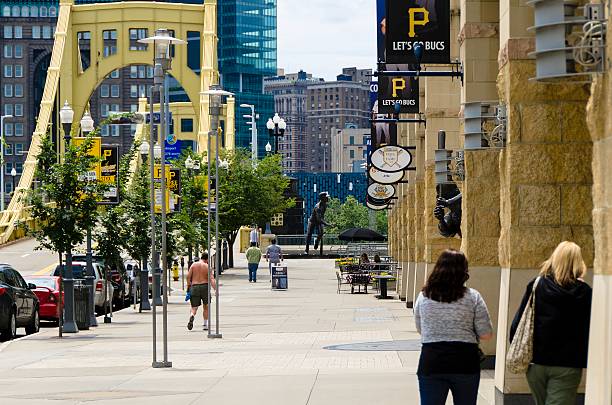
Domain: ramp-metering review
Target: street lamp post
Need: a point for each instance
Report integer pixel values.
(69, 324)
(191, 165)
(87, 126)
(215, 93)
(145, 305)
(253, 123)
(324, 145)
(268, 148)
(2, 118)
(276, 128)
(162, 42)
(13, 174)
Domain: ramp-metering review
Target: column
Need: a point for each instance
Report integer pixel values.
(479, 46)
(599, 375)
(545, 179)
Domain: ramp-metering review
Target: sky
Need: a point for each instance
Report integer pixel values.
(323, 36)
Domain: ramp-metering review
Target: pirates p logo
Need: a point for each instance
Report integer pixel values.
(398, 84)
(413, 21)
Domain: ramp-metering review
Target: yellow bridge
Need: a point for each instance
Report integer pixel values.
(68, 79)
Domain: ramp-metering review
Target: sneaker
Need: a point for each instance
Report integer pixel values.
(190, 323)
(205, 327)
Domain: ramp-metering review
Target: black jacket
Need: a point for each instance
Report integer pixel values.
(561, 323)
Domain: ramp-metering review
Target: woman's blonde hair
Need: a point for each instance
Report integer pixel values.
(565, 265)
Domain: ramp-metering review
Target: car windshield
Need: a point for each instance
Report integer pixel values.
(42, 282)
(78, 270)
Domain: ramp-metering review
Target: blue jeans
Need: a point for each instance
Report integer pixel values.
(434, 388)
(253, 271)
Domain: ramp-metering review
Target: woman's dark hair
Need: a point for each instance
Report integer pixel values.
(446, 281)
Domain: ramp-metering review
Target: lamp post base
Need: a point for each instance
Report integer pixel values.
(215, 336)
(161, 364)
(70, 327)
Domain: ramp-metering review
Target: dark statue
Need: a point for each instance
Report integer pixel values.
(449, 197)
(317, 222)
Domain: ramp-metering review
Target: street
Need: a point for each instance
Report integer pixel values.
(306, 345)
(28, 261)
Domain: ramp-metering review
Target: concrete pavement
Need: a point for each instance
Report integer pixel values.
(278, 347)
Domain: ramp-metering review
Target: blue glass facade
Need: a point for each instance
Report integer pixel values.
(247, 54)
(338, 185)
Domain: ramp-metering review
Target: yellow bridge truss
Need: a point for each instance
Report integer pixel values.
(67, 80)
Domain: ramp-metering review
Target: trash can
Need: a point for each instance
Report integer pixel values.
(279, 276)
(81, 306)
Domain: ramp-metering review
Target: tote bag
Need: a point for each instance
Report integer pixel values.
(520, 352)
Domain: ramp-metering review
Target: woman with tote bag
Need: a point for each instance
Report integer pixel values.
(452, 319)
(559, 305)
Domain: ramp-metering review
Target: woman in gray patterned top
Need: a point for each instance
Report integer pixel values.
(452, 319)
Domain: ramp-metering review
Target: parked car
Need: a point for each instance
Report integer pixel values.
(19, 306)
(48, 292)
(118, 276)
(79, 270)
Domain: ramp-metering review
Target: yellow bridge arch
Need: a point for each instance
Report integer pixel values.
(67, 79)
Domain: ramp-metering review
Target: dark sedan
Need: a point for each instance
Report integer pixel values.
(19, 306)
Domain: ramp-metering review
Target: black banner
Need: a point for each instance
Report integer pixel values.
(109, 173)
(418, 21)
(394, 90)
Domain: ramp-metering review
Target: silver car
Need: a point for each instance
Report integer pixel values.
(79, 270)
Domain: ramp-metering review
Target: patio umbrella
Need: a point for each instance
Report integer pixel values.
(361, 234)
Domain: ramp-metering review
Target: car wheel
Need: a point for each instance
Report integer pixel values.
(11, 331)
(34, 325)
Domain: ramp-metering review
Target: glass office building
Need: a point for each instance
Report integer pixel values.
(247, 54)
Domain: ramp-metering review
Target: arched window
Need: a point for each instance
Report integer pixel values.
(43, 11)
(6, 11)
(25, 11)
(33, 11)
(52, 11)
(16, 11)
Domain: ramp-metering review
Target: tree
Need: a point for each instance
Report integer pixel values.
(65, 202)
(135, 216)
(249, 195)
(350, 214)
(382, 223)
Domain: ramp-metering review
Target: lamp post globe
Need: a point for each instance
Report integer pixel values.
(268, 148)
(66, 117)
(144, 148)
(270, 124)
(157, 151)
(87, 123)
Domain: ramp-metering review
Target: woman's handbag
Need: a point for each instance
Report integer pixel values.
(520, 352)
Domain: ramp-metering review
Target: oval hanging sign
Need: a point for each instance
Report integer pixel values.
(385, 177)
(381, 191)
(377, 207)
(391, 159)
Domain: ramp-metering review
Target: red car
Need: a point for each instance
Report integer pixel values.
(47, 291)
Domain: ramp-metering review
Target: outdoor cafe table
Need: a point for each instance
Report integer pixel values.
(382, 280)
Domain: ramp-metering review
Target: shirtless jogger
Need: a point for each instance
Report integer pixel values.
(197, 284)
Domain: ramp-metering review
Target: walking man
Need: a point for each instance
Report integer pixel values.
(274, 254)
(253, 255)
(197, 285)
(254, 236)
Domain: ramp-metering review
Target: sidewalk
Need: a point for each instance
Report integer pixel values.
(272, 351)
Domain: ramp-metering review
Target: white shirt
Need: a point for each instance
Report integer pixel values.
(254, 236)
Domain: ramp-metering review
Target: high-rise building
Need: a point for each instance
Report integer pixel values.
(331, 106)
(27, 38)
(349, 149)
(289, 92)
(247, 54)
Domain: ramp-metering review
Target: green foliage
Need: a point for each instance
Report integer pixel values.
(343, 216)
(135, 216)
(65, 203)
(382, 223)
(250, 195)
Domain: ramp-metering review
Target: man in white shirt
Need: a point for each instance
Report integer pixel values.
(254, 236)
